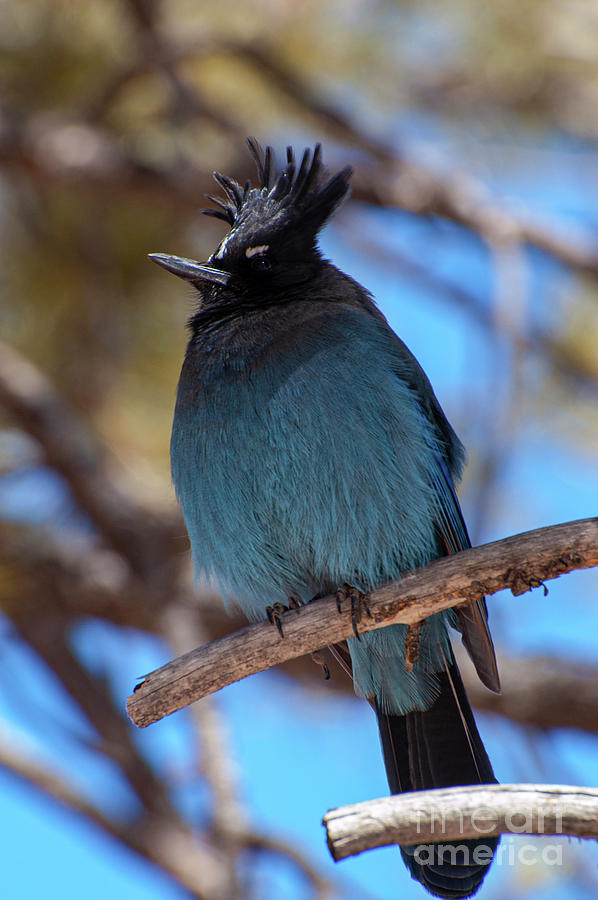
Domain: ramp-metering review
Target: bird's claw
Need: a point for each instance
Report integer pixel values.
(274, 614)
(320, 661)
(295, 602)
(275, 611)
(359, 604)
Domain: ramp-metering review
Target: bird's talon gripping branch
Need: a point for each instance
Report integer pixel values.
(274, 614)
(295, 602)
(275, 611)
(359, 604)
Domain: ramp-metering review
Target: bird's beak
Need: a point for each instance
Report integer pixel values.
(189, 269)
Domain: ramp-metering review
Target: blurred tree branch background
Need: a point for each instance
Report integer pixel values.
(113, 115)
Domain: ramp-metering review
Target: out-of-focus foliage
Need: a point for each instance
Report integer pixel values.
(86, 101)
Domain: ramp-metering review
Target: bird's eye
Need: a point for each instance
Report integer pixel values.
(261, 264)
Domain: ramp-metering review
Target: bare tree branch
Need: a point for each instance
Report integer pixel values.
(455, 814)
(519, 563)
(262, 843)
(74, 578)
(165, 841)
(182, 627)
(49, 640)
(393, 179)
(542, 692)
(74, 581)
(72, 451)
(527, 340)
(48, 151)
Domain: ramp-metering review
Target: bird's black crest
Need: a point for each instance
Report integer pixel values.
(301, 194)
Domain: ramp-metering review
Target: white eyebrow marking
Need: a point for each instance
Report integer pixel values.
(256, 251)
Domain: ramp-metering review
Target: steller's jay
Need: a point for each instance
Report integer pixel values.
(309, 452)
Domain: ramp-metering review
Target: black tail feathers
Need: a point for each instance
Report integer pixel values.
(440, 747)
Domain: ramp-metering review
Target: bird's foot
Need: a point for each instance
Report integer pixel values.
(274, 614)
(359, 604)
(295, 602)
(320, 661)
(275, 611)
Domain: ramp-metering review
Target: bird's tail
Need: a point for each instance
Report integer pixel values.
(440, 747)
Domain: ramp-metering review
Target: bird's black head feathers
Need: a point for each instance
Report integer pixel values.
(270, 251)
(303, 196)
(276, 223)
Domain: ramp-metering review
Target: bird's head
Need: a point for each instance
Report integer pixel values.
(271, 248)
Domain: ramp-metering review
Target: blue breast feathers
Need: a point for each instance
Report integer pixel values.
(309, 466)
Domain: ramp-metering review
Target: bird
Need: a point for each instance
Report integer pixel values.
(310, 456)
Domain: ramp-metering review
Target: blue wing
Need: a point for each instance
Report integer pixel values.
(472, 618)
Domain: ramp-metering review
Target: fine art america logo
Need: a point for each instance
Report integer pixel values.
(480, 822)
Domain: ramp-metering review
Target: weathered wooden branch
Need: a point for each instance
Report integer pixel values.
(455, 814)
(70, 580)
(519, 563)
